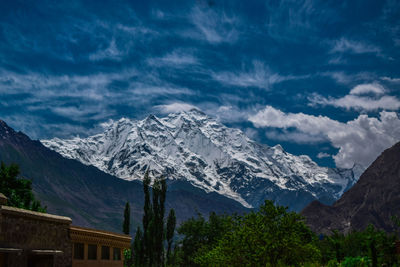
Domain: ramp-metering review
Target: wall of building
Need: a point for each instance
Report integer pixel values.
(85, 236)
(30, 231)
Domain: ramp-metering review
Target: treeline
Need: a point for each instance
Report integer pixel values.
(270, 236)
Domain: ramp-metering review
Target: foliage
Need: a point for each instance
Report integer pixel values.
(148, 245)
(356, 262)
(127, 219)
(200, 236)
(171, 223)
(18, 190)
(127, 257)
(369, 247)
(272, 236)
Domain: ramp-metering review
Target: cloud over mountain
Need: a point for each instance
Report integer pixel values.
(359, 141)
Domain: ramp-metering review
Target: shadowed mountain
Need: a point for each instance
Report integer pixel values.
(91, 197)
(375, 198)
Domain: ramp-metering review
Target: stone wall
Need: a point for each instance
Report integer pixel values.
(35, 232)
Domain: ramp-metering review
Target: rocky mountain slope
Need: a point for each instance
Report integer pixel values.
(91, 197)
(190, 146)
(375, 198)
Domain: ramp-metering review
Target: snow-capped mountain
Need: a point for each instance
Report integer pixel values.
(194, 147)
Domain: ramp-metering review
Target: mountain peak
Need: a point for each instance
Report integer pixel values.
(194, 147)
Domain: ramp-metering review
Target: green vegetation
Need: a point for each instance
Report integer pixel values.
(18, 190)
(127, 219)
(271, 236)
(148, 248)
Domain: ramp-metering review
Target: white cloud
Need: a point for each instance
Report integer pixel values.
(344, 45)
(345, 78)
(175, 107)
(367, 88)
(359, 141)
(258, 75)
(322, 155)
(176, 59)
(361, 97)
(390, 79)
(214, 27)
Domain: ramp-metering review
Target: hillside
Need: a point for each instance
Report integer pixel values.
(375, 198)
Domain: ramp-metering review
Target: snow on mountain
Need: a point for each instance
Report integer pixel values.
(194, 147)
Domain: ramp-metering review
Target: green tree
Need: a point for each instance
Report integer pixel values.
(171, 223)
(137, 248)
(149, 248)
(159, 195)
(147, 221)
(371, 246)
(127, 219)
(17, 190)
(272, 236)
(200, 236)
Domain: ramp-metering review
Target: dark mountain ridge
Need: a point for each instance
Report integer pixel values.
(374, 199)
(91, 197)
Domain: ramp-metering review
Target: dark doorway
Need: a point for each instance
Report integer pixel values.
(41, 261)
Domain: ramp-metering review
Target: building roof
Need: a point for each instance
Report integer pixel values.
(34, 215)
(82, 234)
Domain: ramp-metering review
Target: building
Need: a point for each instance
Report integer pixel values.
(35, 239)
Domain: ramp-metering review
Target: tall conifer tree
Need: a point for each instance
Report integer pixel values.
(127, 219)
(171, 223)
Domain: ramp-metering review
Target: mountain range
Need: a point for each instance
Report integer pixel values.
(194, 148)
(92, 197)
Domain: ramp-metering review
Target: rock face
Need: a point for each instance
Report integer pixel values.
(91, 197)
(192, 147)
(375, 198)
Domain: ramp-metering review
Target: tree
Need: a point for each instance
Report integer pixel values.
(149, 244)
(272, 236)
(127, 219)
(137, 248)
(17, 190)
(159, 195)
(201, 236)
(147, 220)
(171, 223)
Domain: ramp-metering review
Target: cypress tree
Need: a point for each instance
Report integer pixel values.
(146, 221)
(159, 195)
(127, 219)
(171, 223)
(152, 238)
(137, 248)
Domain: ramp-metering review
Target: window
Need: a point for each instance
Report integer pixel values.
(92, 252)
(117, 254)
(105, 253)
(78, 251)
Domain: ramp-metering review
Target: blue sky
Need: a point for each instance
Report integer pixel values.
(319, 77)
